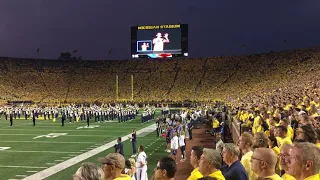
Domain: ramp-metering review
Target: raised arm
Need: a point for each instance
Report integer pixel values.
(165, 38)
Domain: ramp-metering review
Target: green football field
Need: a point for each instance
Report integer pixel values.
(26, 150)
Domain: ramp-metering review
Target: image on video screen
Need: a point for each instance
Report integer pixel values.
(159, 42)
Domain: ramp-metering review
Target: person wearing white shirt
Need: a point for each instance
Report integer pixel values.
(144, 46)
(159, 41)
(219, 143)
(141, 165)
(174, 146)
(183, 116)
(182, 144)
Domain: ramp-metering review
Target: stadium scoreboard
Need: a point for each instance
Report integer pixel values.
(159, 41)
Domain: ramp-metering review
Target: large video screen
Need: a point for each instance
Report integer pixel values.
(158, 41)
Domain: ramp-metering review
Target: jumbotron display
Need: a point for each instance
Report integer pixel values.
(159, 41)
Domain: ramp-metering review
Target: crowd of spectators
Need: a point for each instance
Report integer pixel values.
(192, 79)
(275, 98)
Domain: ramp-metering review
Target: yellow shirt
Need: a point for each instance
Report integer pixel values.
(218, 175)
(314, 177)
(215, 123)
(287, 107)
(244, 116)
(287, 177)
(275, 177)
(259, 129)
(318, 144)
(267, 133)
(283, 141)
(290, 132)
(195, 174)
(245, 161)
(308, 108)
(256, 124)
(276, 150)
(123, 177)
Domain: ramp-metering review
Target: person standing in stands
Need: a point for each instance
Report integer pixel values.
(166, 169)
(235, 169)
(245, 144)
(304, 161)
(174, 146)
(284, 158)
(182, 144)
(89, 171)
(178, 127)
(282, 137)
(263, 163)
(119, 147)
(168, 138)
(113, 165)
(215, 126)
(190, 128)
(195, 155)
(134, 141)
(210, 164)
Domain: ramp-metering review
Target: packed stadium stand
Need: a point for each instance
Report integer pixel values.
(274, 97)
(192, 79)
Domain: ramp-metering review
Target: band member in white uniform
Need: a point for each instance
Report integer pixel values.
(159, 41)
(141, 165)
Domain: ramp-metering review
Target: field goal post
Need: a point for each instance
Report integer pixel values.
(117, 90)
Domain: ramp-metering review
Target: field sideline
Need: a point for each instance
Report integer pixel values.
(25, 150)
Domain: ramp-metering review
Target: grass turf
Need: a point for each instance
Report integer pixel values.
(28, 154)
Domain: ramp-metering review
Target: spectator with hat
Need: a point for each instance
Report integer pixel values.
(112, 165)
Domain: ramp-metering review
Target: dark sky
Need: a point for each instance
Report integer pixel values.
(216, 27)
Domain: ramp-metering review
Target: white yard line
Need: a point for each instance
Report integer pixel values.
(95, 146)
(87, 135)
(61, 166)
(53, 152)
(51, 164)
(21, 175)
(75, 154)
(71, 130)
(49, 142)
(26, 167)
(12, 126)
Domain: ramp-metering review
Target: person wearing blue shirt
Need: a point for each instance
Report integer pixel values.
(234, 170)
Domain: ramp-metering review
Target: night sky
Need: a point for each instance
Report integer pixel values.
(216, 27)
